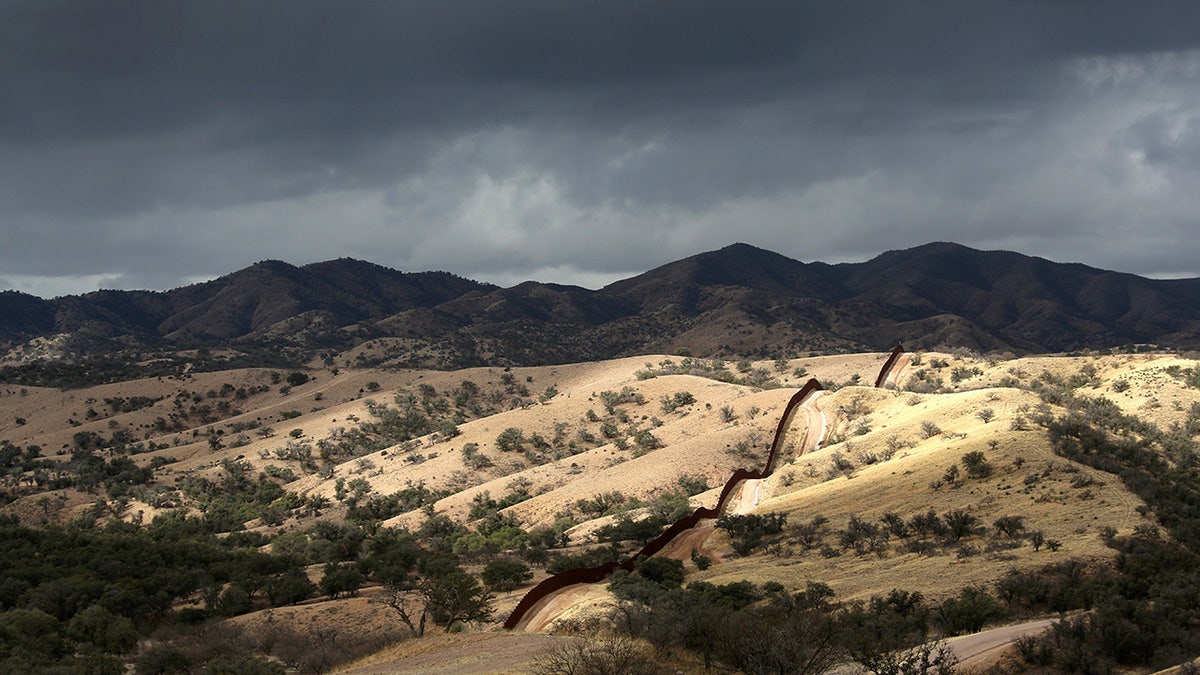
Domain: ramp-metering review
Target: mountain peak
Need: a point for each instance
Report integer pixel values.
(737, 300)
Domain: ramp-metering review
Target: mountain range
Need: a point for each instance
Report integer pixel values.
(737, 301)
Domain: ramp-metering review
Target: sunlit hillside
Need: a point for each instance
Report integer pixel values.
(947, 479)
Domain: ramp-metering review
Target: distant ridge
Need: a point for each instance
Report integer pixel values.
(736, 301)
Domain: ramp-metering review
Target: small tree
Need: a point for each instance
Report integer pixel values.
(986, 414)
(968, 612)
(932, 658)
(289, 587)
(1037, 538)
(503, 575)
(960, 524)
(692, 484)
(665, 572)
(606, 655)
(746, 532)
(646, 440)
(929, 429)
(976, 464)
(511, 439)
(104, 630)
(341, 579)
(1010, 526)
(456, 597)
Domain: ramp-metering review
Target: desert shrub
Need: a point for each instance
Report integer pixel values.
(747, 532)
(341, 579)
(960, 373)
(968, 612)
(592, 558)
(976, 464)
(676, 401)
(510, 440)
(601, 504)
(861, 426)
(646, 441)
(290, 587)
(692, 484)
(863, 536)
(665, 572)
(1037, 538)
(949, 478)
(810, 535)
(669, 507)
(103, 630)
(960, 524)
(603, 656)
(930, 429)
(859, 405)
(473, 459)
(841, 462)
(625, 528)
(1010, 526)
(612, 399)
(504, 575)
(889, 633)
(895, 524)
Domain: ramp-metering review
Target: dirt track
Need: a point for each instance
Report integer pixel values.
(554, 605)
(681, 547)
(466, 654)
(979, 649)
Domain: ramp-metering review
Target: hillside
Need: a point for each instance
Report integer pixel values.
(733, 302)
(554, 466)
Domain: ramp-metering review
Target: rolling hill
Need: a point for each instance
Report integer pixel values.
(321, 466)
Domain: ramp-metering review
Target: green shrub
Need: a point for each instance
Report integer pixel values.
(504, 575)
(976, 464)
(968, 612)
(511, 439)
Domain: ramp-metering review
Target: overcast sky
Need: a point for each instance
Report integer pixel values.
(153, 144)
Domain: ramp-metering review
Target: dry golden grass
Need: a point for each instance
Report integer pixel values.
(698, 439)
(902, 485)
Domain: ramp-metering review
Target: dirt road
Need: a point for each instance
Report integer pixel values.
(554, 605)
(682, 546)
(979, 648)
(464, 654)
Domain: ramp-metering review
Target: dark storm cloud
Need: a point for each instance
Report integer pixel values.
(150, 143)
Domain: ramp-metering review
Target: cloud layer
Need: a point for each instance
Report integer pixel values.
(147, 145)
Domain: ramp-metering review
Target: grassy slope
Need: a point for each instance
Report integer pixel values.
(697, 440)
